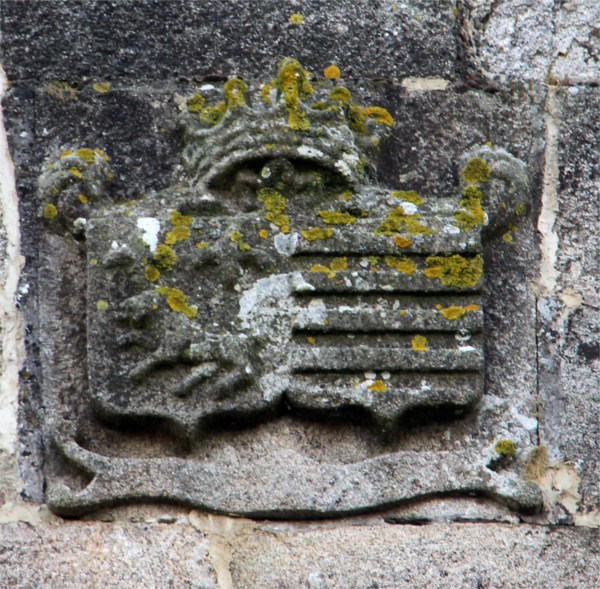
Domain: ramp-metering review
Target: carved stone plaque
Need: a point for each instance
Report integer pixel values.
(274, 276)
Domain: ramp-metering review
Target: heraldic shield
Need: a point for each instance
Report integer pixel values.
(275, 273)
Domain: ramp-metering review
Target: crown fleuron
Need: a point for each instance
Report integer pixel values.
(296, 115)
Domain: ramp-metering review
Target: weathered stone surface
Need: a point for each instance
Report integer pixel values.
(76, 555)
(533, 40)
(266, 280)
(430, 556)
(213, 39)
(569, 321)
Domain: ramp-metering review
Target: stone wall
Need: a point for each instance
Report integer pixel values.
(520, 75)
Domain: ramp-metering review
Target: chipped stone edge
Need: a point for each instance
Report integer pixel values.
(10, 317)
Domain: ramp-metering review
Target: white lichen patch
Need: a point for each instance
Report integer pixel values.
(430, 84)
(310, 152)
(286, 244)
(150, 228)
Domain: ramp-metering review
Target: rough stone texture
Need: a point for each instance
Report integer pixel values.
(452, 80)
(524, 40)
(569, 322)
(213, 39)
(75, 555)
(435, 557)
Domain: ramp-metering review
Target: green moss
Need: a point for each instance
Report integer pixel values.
(336, 217)
(317, 233)
(410, 196)
(195, 103)
(235, 93)
(50, 212)
(476, 171)
(505, 448)
(165, 257)
(455, 271)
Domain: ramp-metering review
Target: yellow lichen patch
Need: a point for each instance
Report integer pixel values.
(50, 212)
(202, 245)
(472, 214)
(471, 308)
(520, 210)
(340, 93)
(336, 217)
(294, 86)
(76, 173)
(455, 271)
(402, 264)
(66, 153)
(379, 115)
(453, 312)
(101, 87)
(213, 114)
(409, 196)
(236, 237)
(165, 257)
(263, 234)
(86, 154)
(332, 72)
(102, 305)
(176, 219)
(507, 237)
(94, 261)
(195, 103)
(177, 301)
(151, 273)
(356, 119)
(402, 242)
(419, 343)
(397, 221)
(235, 93)
(402, 312)
(476, 170)
(311, 340)
(296, 19)
(378, 387)
(297, 120)
(274, 203)
(505, 448)
(347, 195)
(316, 233)
(83, 199)
(373, 263)
(265, 94)
(339, 264)
(320, 269)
